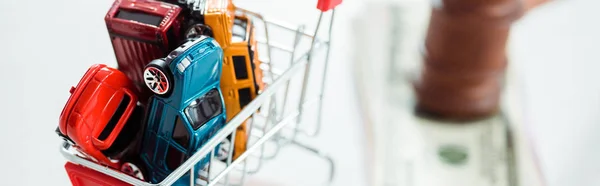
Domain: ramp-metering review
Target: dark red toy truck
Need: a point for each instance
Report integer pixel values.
(141, 31)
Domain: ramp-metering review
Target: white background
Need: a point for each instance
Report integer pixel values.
(46, 46)
(556, 50)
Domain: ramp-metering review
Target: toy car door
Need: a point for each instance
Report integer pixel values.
(179, 143)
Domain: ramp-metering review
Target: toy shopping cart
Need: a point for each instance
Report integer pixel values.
(276, 118)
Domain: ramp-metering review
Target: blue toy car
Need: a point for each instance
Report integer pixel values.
(186, 110)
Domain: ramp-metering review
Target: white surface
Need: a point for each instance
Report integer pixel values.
(395, 30)
(555, 47)
(48, 45)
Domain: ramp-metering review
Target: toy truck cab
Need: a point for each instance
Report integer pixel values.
(141, 31)
(187, 109)
(97, 117)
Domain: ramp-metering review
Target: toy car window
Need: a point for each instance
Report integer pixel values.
(239, 66)
(122, 143)
(238, 21)
(112, 123)
(238, 32)
(180, 133)
(205, 108)
(245, 97)
(172, 39)
(174, 158)
(139, 17)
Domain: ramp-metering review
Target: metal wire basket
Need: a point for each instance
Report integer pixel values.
(276, 117)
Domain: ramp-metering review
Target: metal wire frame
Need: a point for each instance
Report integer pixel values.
(274, 120)
(316, 43)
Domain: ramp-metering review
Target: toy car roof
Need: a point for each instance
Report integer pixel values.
(75, 94)
(165, 10)
(156, 6)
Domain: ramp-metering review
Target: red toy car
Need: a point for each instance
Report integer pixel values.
(100, 118)
(82, 176)
(141, 31)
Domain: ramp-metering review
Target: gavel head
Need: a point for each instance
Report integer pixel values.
(465, 58)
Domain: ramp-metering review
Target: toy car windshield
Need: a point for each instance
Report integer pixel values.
(203, 109)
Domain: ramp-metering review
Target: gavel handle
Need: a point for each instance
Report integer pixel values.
(465, 57)
(530, 4)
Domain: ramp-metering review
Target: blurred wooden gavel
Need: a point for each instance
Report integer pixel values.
(465, 57)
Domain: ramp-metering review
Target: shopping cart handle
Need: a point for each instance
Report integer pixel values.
(325, 5)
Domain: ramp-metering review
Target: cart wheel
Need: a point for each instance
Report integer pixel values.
(132, 170)
(223, 152)
(197, 30)
(157, 77)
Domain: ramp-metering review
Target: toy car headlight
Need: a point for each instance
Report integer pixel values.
(183, 64)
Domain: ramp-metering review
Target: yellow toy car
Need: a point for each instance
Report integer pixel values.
(241, 79)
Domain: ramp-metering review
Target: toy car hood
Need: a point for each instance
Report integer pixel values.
(201, 74)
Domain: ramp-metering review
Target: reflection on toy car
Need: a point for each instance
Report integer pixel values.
(98, 119)
(187, 109)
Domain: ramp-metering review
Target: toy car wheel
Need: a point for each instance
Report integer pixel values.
(132, 170)
(223, 152)
(158, 78)
(197, 30)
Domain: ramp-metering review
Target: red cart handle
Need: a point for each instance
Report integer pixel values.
(325, 5)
